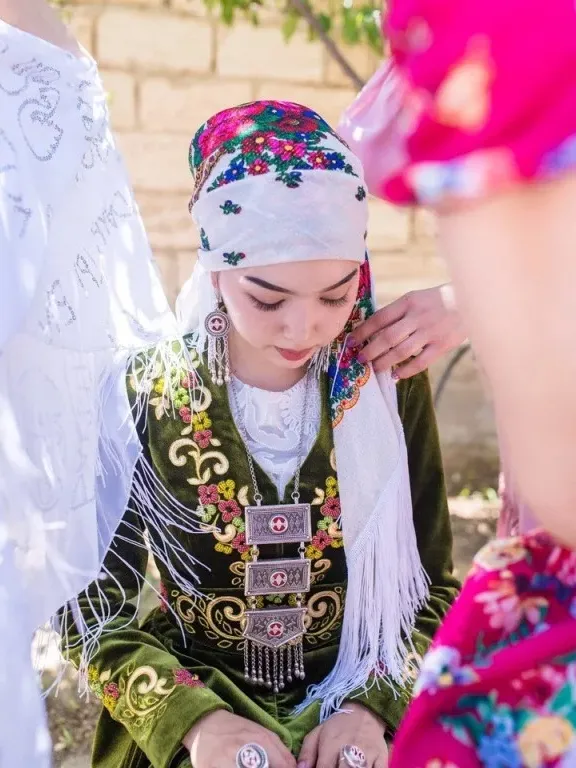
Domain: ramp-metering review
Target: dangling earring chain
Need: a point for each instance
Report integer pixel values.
(217, 325)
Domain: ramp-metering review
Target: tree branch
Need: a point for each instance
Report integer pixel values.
(304, 10)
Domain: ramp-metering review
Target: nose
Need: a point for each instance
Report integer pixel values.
(299, 327)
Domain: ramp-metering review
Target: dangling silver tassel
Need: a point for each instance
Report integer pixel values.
(217, 326)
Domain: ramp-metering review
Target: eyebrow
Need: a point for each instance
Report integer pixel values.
(278, 289)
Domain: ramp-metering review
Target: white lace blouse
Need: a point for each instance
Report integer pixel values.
(272, 421)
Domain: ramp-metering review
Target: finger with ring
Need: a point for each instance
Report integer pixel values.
(252, 756)
(353, 757)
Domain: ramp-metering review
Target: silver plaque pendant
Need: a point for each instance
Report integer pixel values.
(273, 654)
(277, 577)
(273, 627)
(278, 524)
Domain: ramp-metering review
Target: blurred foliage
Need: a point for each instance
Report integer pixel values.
(355, 23)
(334, 22)
(351, 21)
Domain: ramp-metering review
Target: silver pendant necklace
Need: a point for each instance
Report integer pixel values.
(273, 649)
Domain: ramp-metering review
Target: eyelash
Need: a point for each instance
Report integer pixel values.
(261, 305)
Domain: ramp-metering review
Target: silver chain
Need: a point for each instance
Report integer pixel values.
(242, 429)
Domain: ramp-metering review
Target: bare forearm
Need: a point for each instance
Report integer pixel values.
(512, 260)
(38, 18)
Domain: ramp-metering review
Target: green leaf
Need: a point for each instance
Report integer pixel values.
(350, 29)
(290, 25)
(326, 21)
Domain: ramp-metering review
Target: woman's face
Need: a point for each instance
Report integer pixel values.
(288, 311)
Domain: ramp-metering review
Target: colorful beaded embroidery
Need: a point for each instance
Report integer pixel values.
(265, 137)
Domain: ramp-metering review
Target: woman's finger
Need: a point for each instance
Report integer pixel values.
(380, 320)
(401, 353)
(417, 364)
(309, 753)
(279, 756)
(329, 755)
(389, 338)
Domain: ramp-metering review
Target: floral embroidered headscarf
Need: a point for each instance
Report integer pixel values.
(275, 183)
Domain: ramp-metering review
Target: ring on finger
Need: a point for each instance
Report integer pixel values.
(353, 757)
(252, 756)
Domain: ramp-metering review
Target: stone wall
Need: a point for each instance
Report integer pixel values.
(168, 65)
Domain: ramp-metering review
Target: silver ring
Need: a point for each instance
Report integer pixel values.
(353, 757)
(252, 756)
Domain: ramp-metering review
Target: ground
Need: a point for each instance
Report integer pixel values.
(72, 720)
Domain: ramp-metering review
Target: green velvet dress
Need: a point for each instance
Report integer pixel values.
(158, 678)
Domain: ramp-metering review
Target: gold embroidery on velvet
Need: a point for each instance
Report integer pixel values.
(319, 570)
(220, 467)
(324, 616)
(140, 697)
(221, 618)
(333, 459)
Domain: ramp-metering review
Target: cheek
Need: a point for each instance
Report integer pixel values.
(334, 321)
(251, 323)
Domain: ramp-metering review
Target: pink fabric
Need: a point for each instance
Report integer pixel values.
(497, 688)
(485, 95)
(515, 515)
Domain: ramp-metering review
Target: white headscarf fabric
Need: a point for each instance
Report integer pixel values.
(283, 187)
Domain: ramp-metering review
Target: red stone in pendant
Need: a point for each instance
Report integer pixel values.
(275, 629)
(278, 579)
(279, 524)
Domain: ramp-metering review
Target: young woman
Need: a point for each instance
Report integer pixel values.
(323, 565)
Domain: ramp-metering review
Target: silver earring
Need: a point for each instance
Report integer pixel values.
(217, 325)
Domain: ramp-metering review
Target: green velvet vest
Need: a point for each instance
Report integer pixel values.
(201, 457)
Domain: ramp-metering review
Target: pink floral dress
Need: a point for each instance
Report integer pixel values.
(479, 95)
(498, 687)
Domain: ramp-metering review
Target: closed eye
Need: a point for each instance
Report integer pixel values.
(335, 302)
(263, 306)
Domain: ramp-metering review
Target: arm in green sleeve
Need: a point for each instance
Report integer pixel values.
(433, 532)
(139, 681)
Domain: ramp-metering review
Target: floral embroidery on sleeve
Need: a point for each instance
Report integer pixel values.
(139, 698)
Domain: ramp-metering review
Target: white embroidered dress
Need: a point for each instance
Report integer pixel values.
(78, 293)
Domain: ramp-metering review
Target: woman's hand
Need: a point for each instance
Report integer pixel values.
(357, 726)
(412, 332)
(215, 740)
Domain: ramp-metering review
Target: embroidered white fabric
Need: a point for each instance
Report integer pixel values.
(78, 294)
(272, 422)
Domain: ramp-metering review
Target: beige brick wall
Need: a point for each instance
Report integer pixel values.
(168, 65)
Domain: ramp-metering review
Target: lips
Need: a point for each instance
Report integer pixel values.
(294, 355)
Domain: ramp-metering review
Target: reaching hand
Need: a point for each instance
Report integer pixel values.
(216, 739)
(356, 726)
(412, 332)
